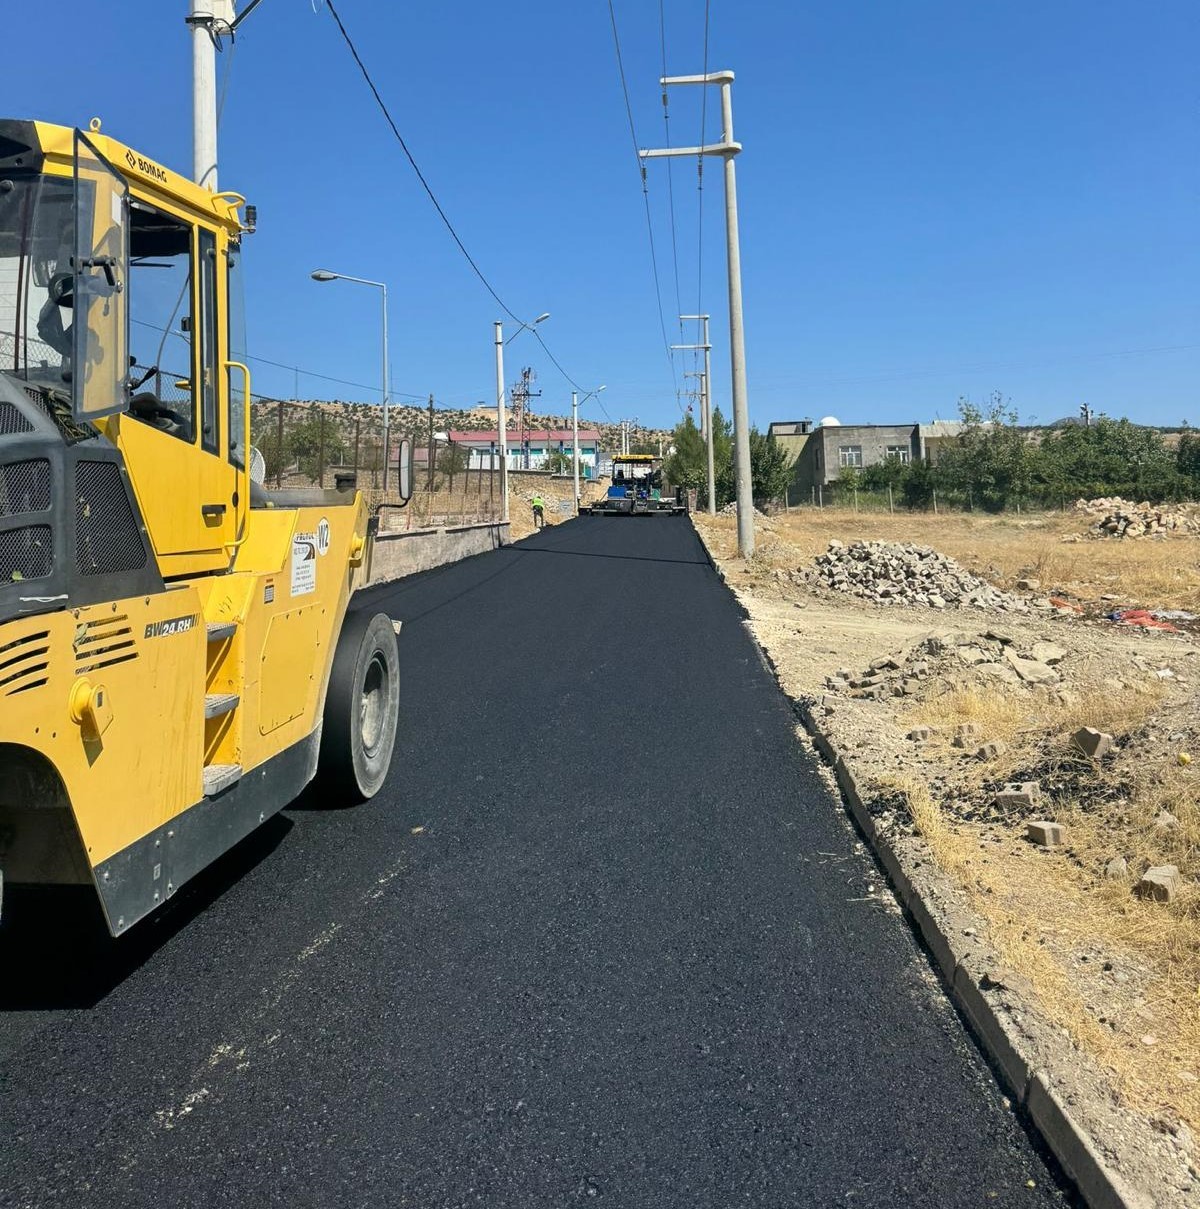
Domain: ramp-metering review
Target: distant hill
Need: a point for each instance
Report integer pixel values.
(408, 420)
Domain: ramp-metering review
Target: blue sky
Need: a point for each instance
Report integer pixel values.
(936, 199)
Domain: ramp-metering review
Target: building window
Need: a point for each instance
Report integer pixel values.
(849, 456)
(901, 453)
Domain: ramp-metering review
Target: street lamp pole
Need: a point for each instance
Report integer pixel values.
(727, 148)
(326, 275)
(575, 433)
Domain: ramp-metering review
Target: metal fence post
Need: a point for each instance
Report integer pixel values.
(279, 450)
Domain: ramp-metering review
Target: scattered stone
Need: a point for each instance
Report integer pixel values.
(1019, 795)
(910, 685)
(989, 751)
(1117, 870)
(1029, 585)
(1045, 834)
(1048, 652)
(920, 734)
(1161, 883)
(1093, 743)
(1166, 821)
(998, 636)
(1031, 670)
(935, 601)
(971, 655)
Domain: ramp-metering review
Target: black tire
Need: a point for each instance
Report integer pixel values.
(361, 708)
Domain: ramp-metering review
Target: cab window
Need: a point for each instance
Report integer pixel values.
(161, 322)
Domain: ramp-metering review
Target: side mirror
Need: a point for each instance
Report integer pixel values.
(405, 471)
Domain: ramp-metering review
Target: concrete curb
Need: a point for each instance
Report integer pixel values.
(1098, 1184)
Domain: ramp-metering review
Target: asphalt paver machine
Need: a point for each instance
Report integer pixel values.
(177, 655)
(637, 489)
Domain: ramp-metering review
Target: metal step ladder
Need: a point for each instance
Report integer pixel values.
(219, 777)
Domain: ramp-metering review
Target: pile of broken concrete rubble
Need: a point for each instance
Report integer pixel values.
(899, 573)
(1122, 518)
(993, 655)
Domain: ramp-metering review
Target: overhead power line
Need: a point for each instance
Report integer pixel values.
(462, 247)
(612, 13)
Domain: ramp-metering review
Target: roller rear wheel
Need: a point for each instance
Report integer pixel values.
(361, 708)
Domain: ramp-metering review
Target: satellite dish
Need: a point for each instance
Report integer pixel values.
(829, 422)
(258, 467)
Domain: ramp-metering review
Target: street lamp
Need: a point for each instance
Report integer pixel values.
(501, 419)
(326, 275)
(575, 401)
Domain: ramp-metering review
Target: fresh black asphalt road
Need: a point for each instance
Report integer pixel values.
(604, 935)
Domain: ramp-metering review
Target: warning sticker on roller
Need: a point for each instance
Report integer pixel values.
(304, 564)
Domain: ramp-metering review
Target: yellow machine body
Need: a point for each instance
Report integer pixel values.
(141, 736)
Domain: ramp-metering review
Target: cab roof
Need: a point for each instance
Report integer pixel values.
(41, 146)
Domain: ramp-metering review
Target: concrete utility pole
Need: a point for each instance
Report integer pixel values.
(575, 439)
(728, 149)
(706, 411)
(206, 18)
(501, 421)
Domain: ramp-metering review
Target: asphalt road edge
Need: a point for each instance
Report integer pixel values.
(965, 973)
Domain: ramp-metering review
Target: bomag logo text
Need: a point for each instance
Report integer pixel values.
(176, 625)
(146, 166)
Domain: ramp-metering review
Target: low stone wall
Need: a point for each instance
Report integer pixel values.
(397, 554)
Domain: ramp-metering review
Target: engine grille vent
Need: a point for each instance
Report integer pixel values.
(107, 537)
(102, 643)
(11, 420)
(25, 487)
(26, 553)
(24, 663)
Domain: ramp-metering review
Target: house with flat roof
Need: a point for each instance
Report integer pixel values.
(833, 447)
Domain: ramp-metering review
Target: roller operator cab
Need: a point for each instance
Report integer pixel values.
(177, 658)
(638, 489)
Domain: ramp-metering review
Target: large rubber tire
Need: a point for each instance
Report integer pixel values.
(361, 708)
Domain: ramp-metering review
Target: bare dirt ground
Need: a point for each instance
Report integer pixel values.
(1117, 973)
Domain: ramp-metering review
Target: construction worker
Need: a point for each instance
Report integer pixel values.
(539, 512)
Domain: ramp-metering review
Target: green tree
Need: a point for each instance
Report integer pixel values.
(723, 458)
(770, 469)
(1109, 457)
(314, 443)
(1187, 462)
(559, 462)
(452, 459)
(882, 475)
(918, 484)
(990, 464)
(687, 464)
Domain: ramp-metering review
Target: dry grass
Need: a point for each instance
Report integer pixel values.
(1158, 572)
(1023, 719)
(1046, 922)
